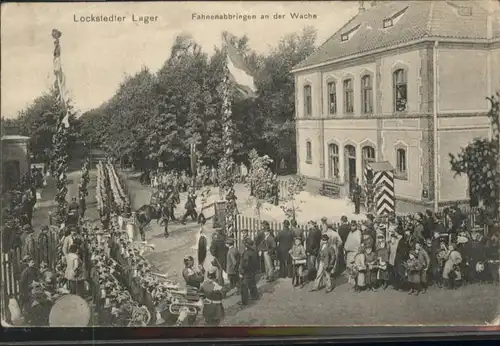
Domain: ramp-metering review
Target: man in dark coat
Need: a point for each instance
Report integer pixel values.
(249, 266)
(344, 228)
(213, 293)
(218, 249)
(82, 205)
(418, 229)
(312, 248)
(297, 231)
(432, 248)
(267, 249)
(232, 263)
(28, 276)
(475, 252)
(165, 216)
(429, 224)
(285, 242)
(402, 253)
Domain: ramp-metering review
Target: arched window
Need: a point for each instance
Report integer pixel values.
(308, 152)
(401, 164)
(400, 85)
(368, 154)
(367, 94)
(307, 101)
(332, 98)
(348, 97)
(333, 161)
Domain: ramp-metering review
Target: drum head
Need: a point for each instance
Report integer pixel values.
(70, 311)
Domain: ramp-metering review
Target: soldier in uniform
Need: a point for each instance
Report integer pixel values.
(175, 199)
(190, 207)
(73, 212)
(249, 266)
(165, 216)
(213, 293)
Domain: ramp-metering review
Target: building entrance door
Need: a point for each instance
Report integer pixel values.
(350, 167)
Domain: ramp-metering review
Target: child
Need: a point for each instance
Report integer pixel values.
(414, 267)
(371, 272)
(382, 259)
(298, 254)
(360, 270)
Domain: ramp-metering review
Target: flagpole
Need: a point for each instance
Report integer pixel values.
(60, 158)
(226, 167)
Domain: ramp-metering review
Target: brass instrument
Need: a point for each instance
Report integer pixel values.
(181, 308)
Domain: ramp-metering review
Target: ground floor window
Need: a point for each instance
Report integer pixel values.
(401, 163)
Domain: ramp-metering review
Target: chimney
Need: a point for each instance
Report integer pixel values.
(361, 6)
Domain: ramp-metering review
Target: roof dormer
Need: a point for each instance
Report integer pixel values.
(392, 20)
(348, 34)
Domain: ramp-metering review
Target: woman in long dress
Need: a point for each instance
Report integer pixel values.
(360, 270)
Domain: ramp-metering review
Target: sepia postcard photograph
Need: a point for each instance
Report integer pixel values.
(240, 163)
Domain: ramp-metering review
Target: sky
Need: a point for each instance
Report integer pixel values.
(97, 56)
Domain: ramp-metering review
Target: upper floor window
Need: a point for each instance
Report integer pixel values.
(307, 101)
(401, 164)
(348, 97)
(367, 94)
(332, 98)
(369, 154)
(308, 152)
(400, 86)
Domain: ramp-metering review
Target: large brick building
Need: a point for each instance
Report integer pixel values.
(369, 91)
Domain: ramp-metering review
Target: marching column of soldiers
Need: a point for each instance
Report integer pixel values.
(168, 198)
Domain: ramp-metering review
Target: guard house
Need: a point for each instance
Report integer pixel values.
(15, 160)
(403, 82)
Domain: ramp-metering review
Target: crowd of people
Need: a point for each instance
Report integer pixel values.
(408, 254)
(39, 287)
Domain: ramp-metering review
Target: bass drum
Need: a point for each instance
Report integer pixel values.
(70, 311)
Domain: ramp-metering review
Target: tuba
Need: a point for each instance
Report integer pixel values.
(188, 309)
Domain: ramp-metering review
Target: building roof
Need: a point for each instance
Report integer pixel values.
(420, 19)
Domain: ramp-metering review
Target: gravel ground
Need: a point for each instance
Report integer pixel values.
(281, 304)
